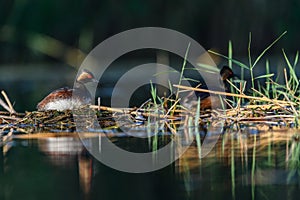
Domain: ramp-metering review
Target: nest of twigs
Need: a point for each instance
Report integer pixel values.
(271, 113)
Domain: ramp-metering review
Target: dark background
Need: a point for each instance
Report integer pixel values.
(38, 38)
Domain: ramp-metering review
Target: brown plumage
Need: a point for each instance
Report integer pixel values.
(206, 100)
(66, 98)
(206, 103)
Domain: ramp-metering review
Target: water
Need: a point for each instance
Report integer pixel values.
(43, 169)
(60, 168)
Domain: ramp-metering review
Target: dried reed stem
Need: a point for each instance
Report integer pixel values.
(105, 108)
(3, 104)
(231, 94)
(11, 109)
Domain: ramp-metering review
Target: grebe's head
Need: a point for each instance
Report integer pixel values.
(86, 76)
(226, 73)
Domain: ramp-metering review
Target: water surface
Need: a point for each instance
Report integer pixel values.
(61, 168)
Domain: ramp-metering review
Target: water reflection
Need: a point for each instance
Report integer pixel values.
(85, 168)
(241, 161)
(63, 151)
(60, 150)
(240, 166)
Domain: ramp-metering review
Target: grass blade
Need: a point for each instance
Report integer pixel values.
(266, 49)
(233, 60)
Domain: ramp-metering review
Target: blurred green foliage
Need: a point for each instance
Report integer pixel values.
(85, 23)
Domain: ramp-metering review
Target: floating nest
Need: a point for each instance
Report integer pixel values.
(46, 121)
(253, 117)
(263, 114)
